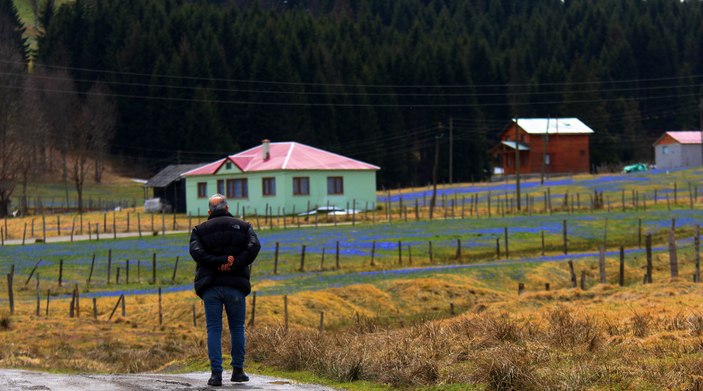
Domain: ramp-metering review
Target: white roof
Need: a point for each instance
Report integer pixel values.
(556, 125)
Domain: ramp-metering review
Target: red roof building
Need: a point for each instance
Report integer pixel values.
(562, 143)
(678, 149)
(282, 178)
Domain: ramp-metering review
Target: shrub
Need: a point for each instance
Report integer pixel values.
(5, 322)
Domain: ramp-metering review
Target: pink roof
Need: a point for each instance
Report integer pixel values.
(686, 137)
(284, 156)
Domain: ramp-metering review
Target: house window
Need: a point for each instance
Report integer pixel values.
(335, 185)
(269, 186)
(228, 166)
(665, 149)
(547, 159)
(237, 188)
(202, 189)
(301, 185)
(220, 186)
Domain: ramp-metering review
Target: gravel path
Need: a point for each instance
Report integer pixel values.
(19, 380)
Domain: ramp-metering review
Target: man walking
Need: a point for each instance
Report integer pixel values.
(224, 248)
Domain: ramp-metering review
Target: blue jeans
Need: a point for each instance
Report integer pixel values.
(234, 302)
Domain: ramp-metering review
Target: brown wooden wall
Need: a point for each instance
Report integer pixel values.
(569, 153)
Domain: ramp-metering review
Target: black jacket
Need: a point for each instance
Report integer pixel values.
(210, 244)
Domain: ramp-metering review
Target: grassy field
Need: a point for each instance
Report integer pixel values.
(444, 323)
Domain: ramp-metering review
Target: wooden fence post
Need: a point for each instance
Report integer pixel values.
(673, 259)
(601, 264)
(697, 250)
(430, 250)
(322, 320)
(505, 238)
(621, 280)
(583, 280)
(542, 234)
(175, 269)
(78, 301)
(572, 274)
(285, 313)
(302, 259)
(648, 244)
(253, 310)
(373, 252)
(337, 255)
(109, 265)
(153, 268)
(497, 247)
(48, 296)
(275, 259)
(90, 275)
(10, 293)
(60, 271)
(161, 315)
(458, 249)
(400, 253)
(117, 304)
(95, 308)
(195, 317)
(38, 298)
(566, 237)
(520, 288)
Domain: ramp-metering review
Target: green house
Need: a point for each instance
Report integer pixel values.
(282, 178)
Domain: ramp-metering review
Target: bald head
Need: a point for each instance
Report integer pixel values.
(217, 202)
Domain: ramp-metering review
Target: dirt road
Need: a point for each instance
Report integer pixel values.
(18, 380)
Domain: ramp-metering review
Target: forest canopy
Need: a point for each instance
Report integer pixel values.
(380, 81)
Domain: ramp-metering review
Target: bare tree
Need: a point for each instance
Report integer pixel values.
(59, 104)
(33, 129)
(13, 73)
(89, 135)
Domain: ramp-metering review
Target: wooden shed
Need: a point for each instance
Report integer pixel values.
(168, 185)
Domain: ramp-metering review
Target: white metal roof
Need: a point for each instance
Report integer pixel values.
(511, 144)
(556, 125)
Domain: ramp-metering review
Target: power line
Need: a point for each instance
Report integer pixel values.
(271, 82)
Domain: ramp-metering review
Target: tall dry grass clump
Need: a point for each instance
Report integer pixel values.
(566, 328)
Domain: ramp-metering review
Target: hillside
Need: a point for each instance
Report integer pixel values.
(381, 82)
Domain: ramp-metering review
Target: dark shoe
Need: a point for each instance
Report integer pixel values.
(215, 379)
(239, 376)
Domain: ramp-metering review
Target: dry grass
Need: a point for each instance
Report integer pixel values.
(646, 337)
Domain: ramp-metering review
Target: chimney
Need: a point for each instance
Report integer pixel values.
(266, 143)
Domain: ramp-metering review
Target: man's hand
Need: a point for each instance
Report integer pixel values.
(225, 267)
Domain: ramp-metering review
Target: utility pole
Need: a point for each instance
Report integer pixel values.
(434, 170)
(545, 140)
(517, 163)
(451, 150)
